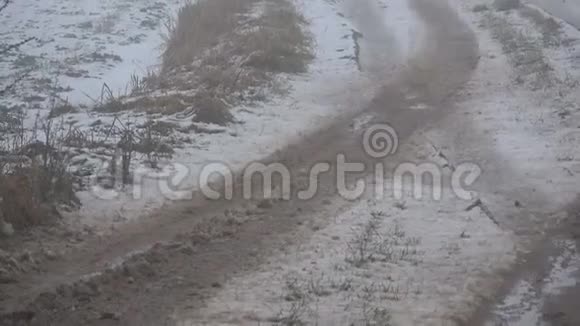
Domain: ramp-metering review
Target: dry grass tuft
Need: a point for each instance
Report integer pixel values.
(18, 206)
(34, 174)
(29, 195)
(62, 109)
(278, 44)
(225, 54)
(200, 25)
(210, 109)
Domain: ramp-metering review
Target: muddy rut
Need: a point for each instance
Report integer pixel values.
(172, 267)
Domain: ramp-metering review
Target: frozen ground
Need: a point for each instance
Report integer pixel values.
(376, 261)
(81, 46)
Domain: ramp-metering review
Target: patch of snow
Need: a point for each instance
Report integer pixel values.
(82, 45)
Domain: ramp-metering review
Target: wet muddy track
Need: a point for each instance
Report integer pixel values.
(543, 290)
(175, 277)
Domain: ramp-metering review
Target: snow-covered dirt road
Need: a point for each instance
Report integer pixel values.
(464, 83)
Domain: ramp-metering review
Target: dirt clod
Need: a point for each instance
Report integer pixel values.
(109, 316)
(265, 204)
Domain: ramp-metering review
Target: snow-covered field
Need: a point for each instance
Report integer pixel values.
(411, 262)
(81, 45)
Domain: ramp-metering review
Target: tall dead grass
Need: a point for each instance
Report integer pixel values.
(278, 43)
(231, 51)
(200, 26)
(34, 175)
(29, 195)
